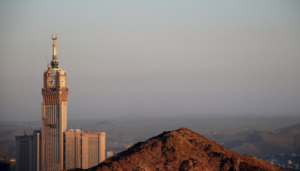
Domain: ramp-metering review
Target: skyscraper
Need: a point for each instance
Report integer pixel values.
(28, 152)
(53, 148)
(54, 114)
(83, 149)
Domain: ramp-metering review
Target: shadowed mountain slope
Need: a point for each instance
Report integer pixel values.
(260, 144)
(291, 131)
(181, 150)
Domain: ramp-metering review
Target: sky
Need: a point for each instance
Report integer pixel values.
(152, 58)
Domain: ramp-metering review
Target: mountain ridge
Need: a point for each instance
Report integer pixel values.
(181, 150)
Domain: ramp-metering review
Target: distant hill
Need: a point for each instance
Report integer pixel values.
(7, 137)
(105, 124)
(291, 131)
(8, 132)
(262, 143)
(181, 150)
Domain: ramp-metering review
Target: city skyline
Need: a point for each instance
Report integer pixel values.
(153, 58)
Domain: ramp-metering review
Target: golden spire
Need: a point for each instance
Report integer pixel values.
(54, 62)
(54, 56)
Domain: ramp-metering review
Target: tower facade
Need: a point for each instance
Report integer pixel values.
(54, 114)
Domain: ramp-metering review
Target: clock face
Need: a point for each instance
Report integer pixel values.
(62, 82)
(51, 81)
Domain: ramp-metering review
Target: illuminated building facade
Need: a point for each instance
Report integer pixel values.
(83, 149)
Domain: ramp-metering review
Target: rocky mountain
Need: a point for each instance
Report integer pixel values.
(181, 150)
(262, 143)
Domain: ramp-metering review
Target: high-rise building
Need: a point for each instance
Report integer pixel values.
(28, 152)
(54, 114)
(83, 149)
(49, 148)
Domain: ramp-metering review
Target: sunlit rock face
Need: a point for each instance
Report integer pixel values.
(181, 150)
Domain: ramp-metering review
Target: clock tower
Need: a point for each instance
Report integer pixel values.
(54, 114)
(54, 148)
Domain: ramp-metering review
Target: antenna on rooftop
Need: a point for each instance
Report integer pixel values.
(26, 129)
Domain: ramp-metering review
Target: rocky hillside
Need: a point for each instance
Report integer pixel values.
(181, 150)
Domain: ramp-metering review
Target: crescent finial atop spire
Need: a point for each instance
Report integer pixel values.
(54, 38)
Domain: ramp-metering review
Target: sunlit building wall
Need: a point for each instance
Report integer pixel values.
(83, 149)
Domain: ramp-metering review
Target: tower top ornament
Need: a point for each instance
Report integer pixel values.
(54, 62)
(53, 38)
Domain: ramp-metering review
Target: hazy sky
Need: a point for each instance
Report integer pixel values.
(155, 58)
